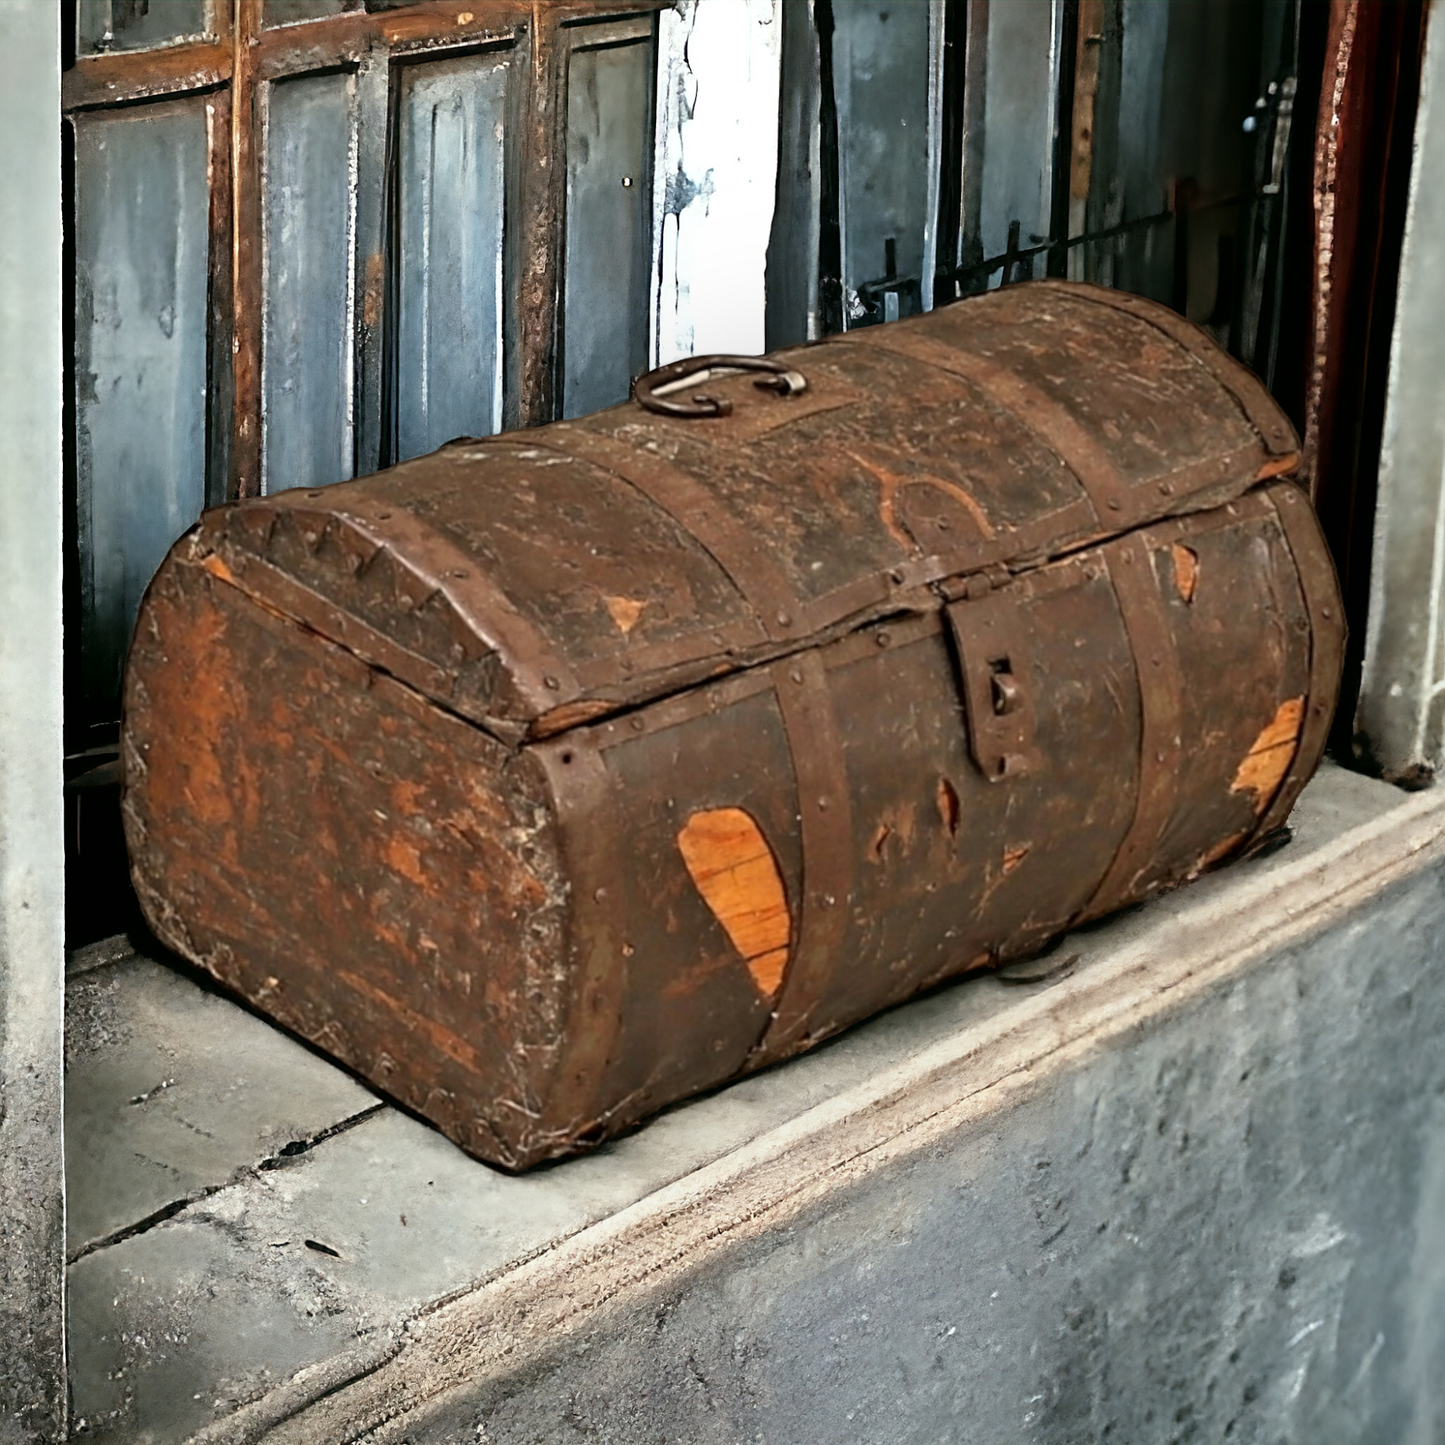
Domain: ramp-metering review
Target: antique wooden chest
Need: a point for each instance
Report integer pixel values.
(550, 778)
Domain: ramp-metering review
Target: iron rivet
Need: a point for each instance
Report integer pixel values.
(600, 894)
(551, 683)
(1325, 613)
(638, 724)
(822, 805)
(882, 639)
(1165, 489)
(796, 674)
(783, 618)
(1114, 504)
(896, 576)
(1159, 756)
(1157, 661)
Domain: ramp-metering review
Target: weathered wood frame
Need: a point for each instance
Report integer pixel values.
(232, 65)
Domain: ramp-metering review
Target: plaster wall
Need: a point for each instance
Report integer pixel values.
(1400, 718)
(32, 1370)
(716, 168)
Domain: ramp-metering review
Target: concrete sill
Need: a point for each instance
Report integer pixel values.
(261, 1250)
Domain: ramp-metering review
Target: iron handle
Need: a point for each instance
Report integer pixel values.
(653, 389)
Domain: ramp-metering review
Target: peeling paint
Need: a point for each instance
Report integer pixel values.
(717, 145)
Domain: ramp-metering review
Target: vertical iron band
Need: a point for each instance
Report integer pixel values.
(1161, 704)
(825, 822)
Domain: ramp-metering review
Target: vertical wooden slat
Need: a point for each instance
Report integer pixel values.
(372, 86)
(607, 225)
(246, 263)
(542, 182)
(220, 391)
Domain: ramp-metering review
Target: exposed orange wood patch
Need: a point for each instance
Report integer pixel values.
(405, 857)
(625, 612)
(1186, 570)
(948, 806)
(1012, 857)
(1266, 763)
(1221, 850)
(452, 1045)
(218, 568)
(1278, 467)
(737, 875)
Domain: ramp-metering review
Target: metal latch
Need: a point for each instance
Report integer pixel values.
(993, 656)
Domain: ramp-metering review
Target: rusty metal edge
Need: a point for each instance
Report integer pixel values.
(540, 676)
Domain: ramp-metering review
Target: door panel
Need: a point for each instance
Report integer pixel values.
(608, 223)
(451, 143)
(308, 347)
(140, 372)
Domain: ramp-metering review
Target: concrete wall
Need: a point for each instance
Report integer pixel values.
(1228, 1226)
(32, 1370)
(1400, 719)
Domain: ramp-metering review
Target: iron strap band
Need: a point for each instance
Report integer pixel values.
(1041, 414)
(1316, 571)
(825, 821)
(745, 560)
(1161, 704)
(582, 789)
(540, 673)
(1260, 409)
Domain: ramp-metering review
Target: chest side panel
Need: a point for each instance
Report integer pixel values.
(379, 876)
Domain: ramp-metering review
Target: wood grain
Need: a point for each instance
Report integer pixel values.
(735, 871)
(1266, 763)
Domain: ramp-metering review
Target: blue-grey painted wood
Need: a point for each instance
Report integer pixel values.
(451, 128)
(102, 25)
(140, 373)
(881, 70)
(1018, 142)
(609, 223)
(308, 344)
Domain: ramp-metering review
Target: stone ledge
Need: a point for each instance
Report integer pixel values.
(535, 1262)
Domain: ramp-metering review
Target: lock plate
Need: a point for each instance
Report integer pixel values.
(997, 685)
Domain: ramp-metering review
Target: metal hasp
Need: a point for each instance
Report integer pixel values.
(548, 779)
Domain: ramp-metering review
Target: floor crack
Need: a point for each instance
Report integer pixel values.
(288, 1154)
